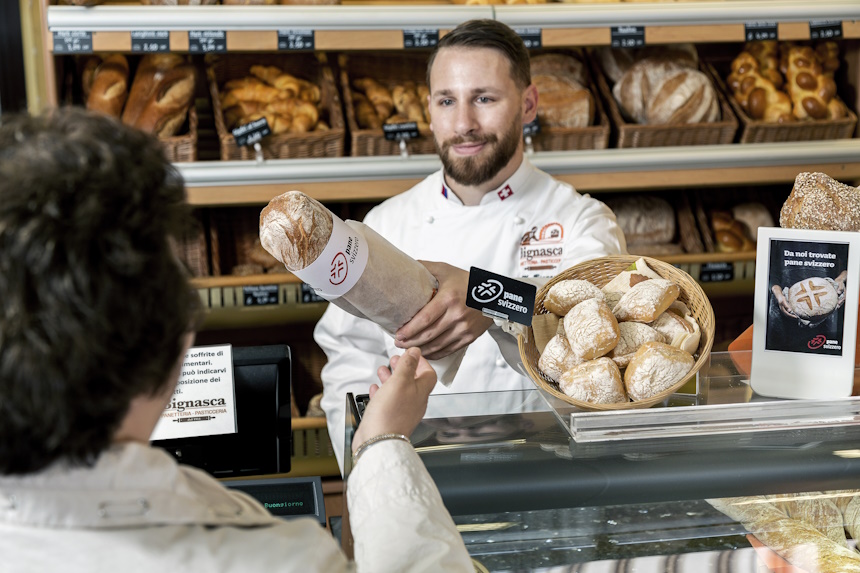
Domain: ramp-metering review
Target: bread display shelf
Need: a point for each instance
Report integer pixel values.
(377, 27)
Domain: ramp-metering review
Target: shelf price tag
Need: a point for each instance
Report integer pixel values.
(400, 131)
(627, 36)
(758, 31)
(150, 41)
(73, 42)
(532, 128)
(206, 41)
(420, 38)
(716, 272)
(825, 30)
(309, 295)
(531, 37)
(296, 39)
(251, 133)
(260, 295)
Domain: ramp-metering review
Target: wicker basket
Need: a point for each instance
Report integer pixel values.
(757, 131)
(328, 143)
(388, 70)
(635, 135)
(180, 148)
(232, 233)
(193, 250)
(599, 272)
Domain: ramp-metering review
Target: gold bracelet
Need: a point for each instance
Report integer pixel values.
(375, 439)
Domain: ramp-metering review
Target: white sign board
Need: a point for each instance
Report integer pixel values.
(204, 403)
(805, 317)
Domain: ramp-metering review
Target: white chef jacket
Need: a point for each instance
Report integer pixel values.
(531, 226)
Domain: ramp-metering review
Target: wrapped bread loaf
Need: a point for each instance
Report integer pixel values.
(350, 265)
(818, 201)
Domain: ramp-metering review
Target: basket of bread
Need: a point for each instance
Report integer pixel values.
(786, 92)
(659, 96)
(618, 332)
(294, 92)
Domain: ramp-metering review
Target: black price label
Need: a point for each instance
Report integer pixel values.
(627, 36)
(150, 41)
(310, 295)
(251, 133)
(420, 38)
(206, 41)
(716, 272)
(531, 37)
(260, 295)
(825, 30)
(501, 297)
(759, 31)
(73, 42)
(296, 39)
(531, 128)
(400, 131)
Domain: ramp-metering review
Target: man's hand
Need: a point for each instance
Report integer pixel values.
(398, 403)
(445, 324)
(782, 302)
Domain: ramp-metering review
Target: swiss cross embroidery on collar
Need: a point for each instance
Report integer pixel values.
(505, 192)
(444, 192)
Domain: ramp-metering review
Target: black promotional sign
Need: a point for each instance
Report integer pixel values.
(531, 128)
(627, 36)
(825, 30)
(251, 133)
(206, 41)
(716, 272)
(531, 37)
(420, 38)
(400, 131)
(73, 42)
(501, 297)
(260, 295)
(150, 41)
(759, 31)
(296, 39)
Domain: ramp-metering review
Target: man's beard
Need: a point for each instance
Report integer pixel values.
(474, 170)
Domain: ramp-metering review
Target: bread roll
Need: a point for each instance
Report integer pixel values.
(566, 294)
(109, 88)
(753, 215)
(560, 65)
(819, 202)
(563, 102)
(680, 331)
(596, 381)
(591, 329)
(162, 92)
(655, 367)
(646, 301)
(632, 335)
(644, 219)
(557, 358)
(627, 279)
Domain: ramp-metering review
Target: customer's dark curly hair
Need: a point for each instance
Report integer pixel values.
(95, 302)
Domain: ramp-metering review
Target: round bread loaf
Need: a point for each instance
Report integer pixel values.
(596, 381)
(564, 295)
(645, 219)
(632, 335)
(812, 298)
(557, 357)
(646, 300)
(295, 229)
(655, 367)
(591, 329)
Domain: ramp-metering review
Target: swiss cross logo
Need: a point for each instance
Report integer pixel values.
(339, 269)
(505, 192)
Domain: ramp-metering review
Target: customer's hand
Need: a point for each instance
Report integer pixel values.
(399, 402)
(445, 324)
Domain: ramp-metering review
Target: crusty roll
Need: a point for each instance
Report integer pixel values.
(591, 329)
(596, 381)
(655, 367)
(557, 358)
(646, 301)
(632, 335)
(162, 92)
(817, 201)
(564, 295)
(563, 102)
(680, 331)
(627, 279)
(108, 88)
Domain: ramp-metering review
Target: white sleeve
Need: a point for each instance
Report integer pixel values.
(397, 517)
(355, 348)
(593, 233)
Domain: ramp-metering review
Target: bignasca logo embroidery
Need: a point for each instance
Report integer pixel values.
(541, 250)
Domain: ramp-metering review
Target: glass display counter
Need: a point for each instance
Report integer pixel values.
(530, 490)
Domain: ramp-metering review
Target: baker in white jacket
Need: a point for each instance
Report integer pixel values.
(97, 320)
(488, 207)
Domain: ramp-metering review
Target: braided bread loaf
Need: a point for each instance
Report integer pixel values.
(756, 94)
(812, 90)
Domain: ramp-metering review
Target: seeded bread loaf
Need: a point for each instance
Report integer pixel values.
(818, 201)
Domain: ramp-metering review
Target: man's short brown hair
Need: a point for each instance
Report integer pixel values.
(489, 34)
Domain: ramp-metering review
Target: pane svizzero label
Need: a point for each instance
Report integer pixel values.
(500, 296)
(341, 263)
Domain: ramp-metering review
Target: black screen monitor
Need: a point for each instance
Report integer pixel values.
(261, 444)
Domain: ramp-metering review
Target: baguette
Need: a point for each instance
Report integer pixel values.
(108, 89)
(160, 95)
